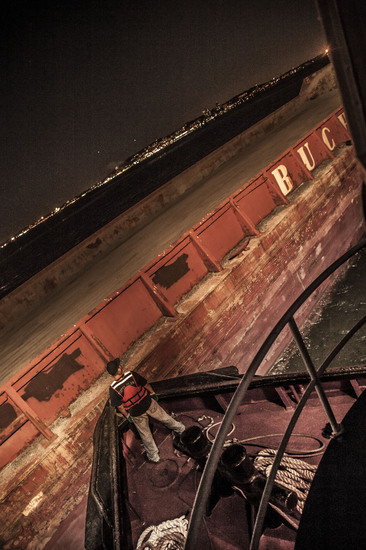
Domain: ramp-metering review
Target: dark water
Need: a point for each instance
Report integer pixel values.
(47, 241)
(335, 316)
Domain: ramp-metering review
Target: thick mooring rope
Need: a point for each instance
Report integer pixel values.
(169, 535)
(293, 473)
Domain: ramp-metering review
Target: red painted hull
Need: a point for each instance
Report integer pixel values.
(193, 305)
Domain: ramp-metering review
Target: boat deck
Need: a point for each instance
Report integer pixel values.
(164, 491)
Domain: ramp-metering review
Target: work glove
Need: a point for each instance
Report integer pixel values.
(154, 396)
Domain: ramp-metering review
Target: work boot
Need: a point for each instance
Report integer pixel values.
(154, 460)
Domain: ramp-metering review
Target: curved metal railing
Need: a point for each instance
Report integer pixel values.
(202, 495)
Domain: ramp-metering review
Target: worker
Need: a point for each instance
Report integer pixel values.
(135, 399)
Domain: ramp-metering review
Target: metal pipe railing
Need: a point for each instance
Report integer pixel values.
(262, 509)
(202, 495)
(310, 367)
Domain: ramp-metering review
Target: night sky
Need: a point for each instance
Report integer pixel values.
(86, 84)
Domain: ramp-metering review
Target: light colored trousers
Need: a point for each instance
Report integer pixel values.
(142, 425)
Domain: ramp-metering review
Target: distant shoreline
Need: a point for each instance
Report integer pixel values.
(43, 242)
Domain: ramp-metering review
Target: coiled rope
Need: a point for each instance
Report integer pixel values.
(293, 473)
(169, 535)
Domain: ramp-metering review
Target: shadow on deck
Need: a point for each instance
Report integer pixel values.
(334, 514)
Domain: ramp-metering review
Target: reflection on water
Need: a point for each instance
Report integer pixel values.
(334, 317)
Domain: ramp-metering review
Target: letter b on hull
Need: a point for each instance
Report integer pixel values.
(284, 181)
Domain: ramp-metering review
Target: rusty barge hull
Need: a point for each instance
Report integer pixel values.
(208, 332)
(206, 300)
(242, 275)
(227, 318)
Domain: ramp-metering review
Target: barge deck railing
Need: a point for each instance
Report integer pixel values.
(213, 458)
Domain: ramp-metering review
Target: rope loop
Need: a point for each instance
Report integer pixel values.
(169, 535)
(293, 474)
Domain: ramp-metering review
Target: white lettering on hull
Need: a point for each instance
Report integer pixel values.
(284, 181)
(342, 120)
(307, 157)
(330, 144)
(281, 174)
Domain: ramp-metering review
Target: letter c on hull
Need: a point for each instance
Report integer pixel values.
(330, 144)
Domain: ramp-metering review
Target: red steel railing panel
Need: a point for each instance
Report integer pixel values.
(177, 271)
(256, 199)
(44, 389)
(123, 318)
(221, 231)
